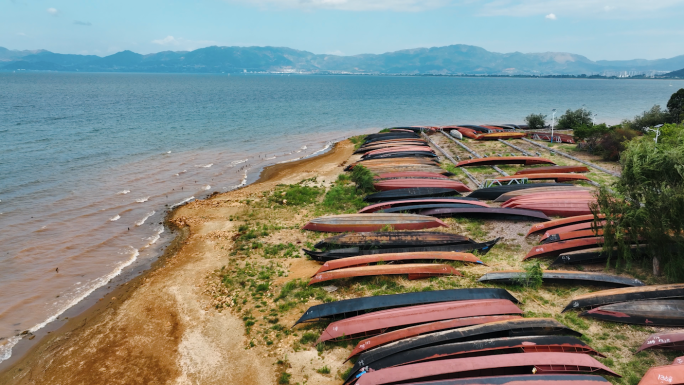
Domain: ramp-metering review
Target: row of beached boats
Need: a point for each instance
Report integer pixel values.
(476, 335)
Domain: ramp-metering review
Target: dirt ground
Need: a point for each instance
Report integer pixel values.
(163, 331)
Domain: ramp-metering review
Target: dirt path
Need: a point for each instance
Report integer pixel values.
(157, 329)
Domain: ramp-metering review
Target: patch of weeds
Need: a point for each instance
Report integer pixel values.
(281, 250)
(634, 369)
(532, 277)
(358, 141)
(308, 337)
(284, 378)
(295, 195)
(571, 319)
(363, 178)
(346, 373)
(324, 370)
(299, 290)
(475, 227)
(343, 198)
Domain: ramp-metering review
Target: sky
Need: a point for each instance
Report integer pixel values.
(599, 30)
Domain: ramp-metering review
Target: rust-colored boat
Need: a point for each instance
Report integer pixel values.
(379, 145)
(550, 195)
(503, 345)
(557, 248)
(571, 235)
(407, 202)
(491, 193)
(488, 212)
(510, 328)
(560, 209)
(395, 184)
(412, 331)
(413, 270)
(405, 155)
(391, 239)
(514, 194)
(562, 222)
(411, 174)
(557, 177)
(376, 322)
(661, 312)
(527, 379)
(394, 162)
(515, 363)
(561, 276)
(678, 361)
(469, 133)
(666, 340)
(355, 306)
(497, 160)
(408, 168)
(552, 169)
(502, 135)
(411, 193)
(570, 228)
(398, 149)
(364, 260)
(667, 374)
(372, 222)
(546, 136)
(627, 294)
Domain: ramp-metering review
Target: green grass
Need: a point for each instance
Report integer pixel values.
(324, 370)
(295, 195)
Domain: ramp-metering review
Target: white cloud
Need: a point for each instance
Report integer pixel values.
(351, 5)
(551, 16)
(581, 8)
(53, 11)
(184, 44)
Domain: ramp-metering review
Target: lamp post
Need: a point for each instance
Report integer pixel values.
(655, 129)
(593, 119)
(553, 121)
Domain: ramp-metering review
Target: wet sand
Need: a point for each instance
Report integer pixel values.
(157, 328)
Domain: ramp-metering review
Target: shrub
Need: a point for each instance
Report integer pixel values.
(577, 118)
(532, 277)
(588, 132)
(324, 370)
(284, 378)
(649, 118)
(675, 106)
(613, 143)
(295, 195)
(363, 178)
(536, 121)
(308, 338)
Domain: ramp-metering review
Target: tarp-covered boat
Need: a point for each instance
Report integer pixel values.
(491, 193)
(661, 312)
(372, 222)
(412, 270)
(561, 222)
(552, 169)
(395, 184)
(504, 345)
(364, 260)
(665, 340)
(488, 212)
(627, 294)
(352, 307)
(466, 247)
(391, 239)
(498, 160)
(527, 379)
(412, 331)
(414, 192)
(511, 328)
(667, 374)
(515, 363)
(557, 248)
(377, 322)
(561, 276)
(389, 204)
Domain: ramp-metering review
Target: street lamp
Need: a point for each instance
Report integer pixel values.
(553, 121)
(657, 131)
(593, 119)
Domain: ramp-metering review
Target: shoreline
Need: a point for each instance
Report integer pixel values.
(89, 310)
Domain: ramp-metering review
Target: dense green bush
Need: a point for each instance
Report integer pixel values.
(649, 118)
(614, 142)
(295, 195)
(363, 178)
(536, 121)
(571, 119)
(675, 106)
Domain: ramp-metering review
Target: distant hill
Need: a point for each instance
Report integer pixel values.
(453, 59)
(675, 74)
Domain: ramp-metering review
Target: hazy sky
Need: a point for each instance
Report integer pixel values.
(609, 29)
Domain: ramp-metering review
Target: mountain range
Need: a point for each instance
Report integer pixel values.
(450, 60)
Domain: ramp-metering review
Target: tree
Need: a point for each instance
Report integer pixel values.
(572, 119)
(649, 118)
(612, 143)
(644, 216)
(676, 106)
(584, 132)
(536, 121)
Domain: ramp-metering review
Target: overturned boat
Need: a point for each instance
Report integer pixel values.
(412, 202)
(560, 177)
(491, 193)
(488, 212)
(412, 270)
(586, 256)
(535, 190)
(377, 322)
(628, 294)
(352, 307)
(528, 379)
(511, 328)
(499, 160)
(466, 247)
(552, 169)
(412, 331)
(412, 192)
(395, 184)
(562, 222)
(660, 312)
(372, 222)
(571, 235)
(667, 374)
(504, 364)
(666, 340)
(365, 260)
(391, 239)
(557, 248)
(561, 276)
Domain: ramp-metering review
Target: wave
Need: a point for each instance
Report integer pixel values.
(115, 218)
(327, 146)
(123, 192)
(236, 162)
(142, 200)
(182, 202)
(204, 166)
(207, 187)
(271, 158)
(140, 222)
(153, 239)
(6, 349)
